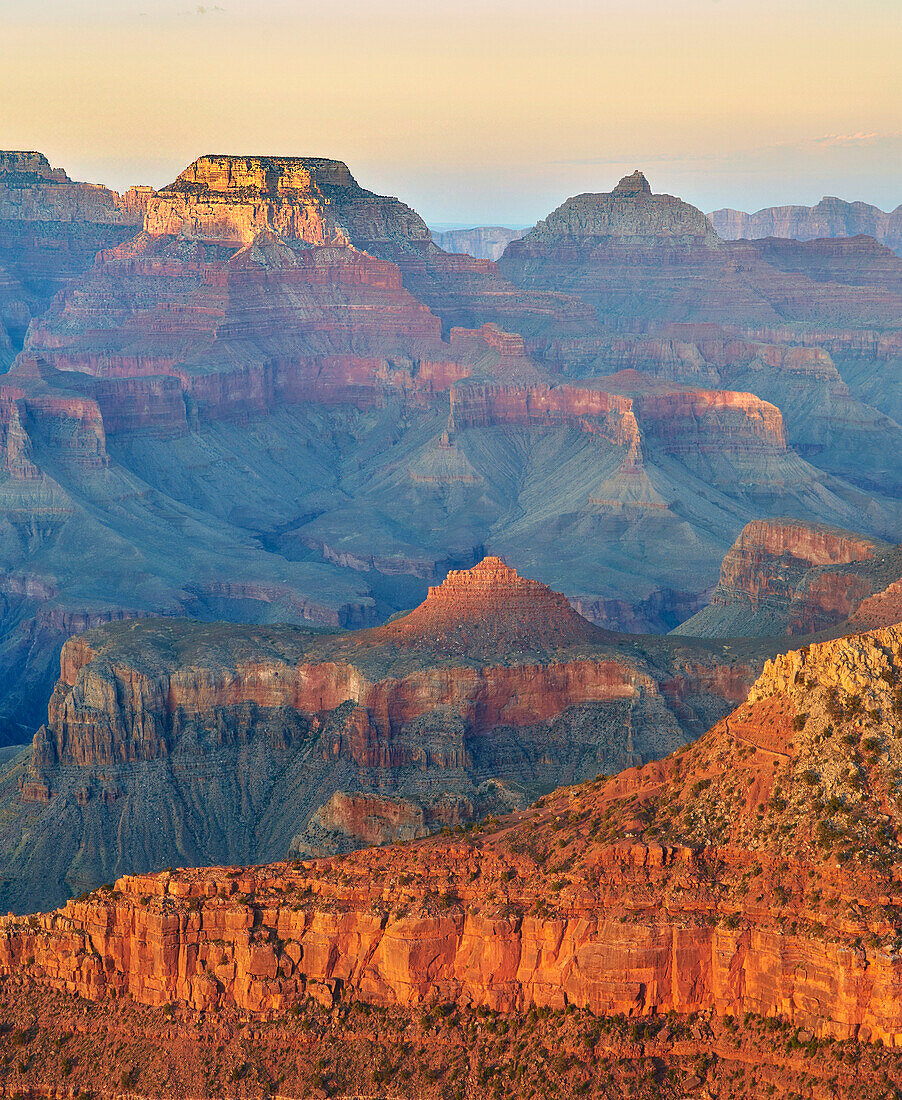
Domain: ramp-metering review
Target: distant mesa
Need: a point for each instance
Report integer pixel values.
(483, 242)
(314, 200)
(831, 217)
(30, 163)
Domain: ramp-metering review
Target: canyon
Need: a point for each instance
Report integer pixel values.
(745, 886)
(172, 741)
(271, 397)
(281, 402)
(319, 546)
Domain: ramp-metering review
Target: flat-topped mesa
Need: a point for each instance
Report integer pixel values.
(262, 176)
(33, 191)
(631, 211)
(490, 609)
(314, 200)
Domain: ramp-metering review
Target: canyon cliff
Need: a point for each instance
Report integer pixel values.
(282, 401)
(50, 230)
(788, 577)
(169, 741)
(746, 885)
(831, 217)
(484, 242)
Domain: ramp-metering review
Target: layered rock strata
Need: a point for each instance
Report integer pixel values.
(50, 230)
(492, 691)
(789, 577)
(831, 217)
(752, 872)
(348, 411)
(484, 242)
(643, 260)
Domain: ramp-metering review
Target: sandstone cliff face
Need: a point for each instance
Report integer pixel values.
(750, 872)
(234, 199)
(50, 231)
(783, 576)
(160, 732)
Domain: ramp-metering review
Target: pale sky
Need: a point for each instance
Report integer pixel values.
(471, 110)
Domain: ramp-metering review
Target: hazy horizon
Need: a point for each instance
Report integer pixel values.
(489, 113)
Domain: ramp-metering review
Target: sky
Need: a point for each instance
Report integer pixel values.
(472, 111)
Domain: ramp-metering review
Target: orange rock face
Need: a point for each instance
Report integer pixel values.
(633, 895)
(784, 576)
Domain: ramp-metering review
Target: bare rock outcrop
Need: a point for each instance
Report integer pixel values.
(788, 577)
(751, 872)
(50, 230)
(161, 732)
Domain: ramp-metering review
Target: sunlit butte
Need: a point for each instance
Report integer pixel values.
(491, 111)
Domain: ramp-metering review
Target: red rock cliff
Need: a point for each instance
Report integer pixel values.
(720, 879)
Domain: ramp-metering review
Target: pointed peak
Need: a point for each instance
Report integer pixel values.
(490, 610)
(634, 184)
(495, 567)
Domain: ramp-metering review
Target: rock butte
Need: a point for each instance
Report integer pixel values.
(788, 577)
(489, 609)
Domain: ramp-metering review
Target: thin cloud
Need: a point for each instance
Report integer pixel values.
(829, 141)
(203, 9)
